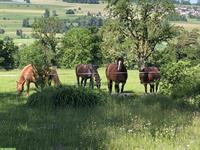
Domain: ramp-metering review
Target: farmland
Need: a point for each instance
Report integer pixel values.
(12, 14)
(144, 122)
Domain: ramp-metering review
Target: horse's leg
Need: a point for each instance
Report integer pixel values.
(28, 87)
(151, 87)
(110, 86)
(122, 88)
(78, 81)
(92, 83)
(157, 83)
(82, 79)
(85, 81)
(145, 87)
(116, 87)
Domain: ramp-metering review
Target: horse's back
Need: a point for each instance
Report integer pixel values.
(83, 70)
(154, 73)
(149, 74)
(28, 73)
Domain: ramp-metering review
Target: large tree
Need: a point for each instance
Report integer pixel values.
(144, 21)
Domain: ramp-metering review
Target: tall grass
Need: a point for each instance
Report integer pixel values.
(140, 122)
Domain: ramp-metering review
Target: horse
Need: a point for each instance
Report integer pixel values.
(116, 72)
(150, 75)
(87, 71)
(29, 75)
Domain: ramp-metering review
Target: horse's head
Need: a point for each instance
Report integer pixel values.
(120, 63)
(98, 82)
(20, 87)
(97, 78)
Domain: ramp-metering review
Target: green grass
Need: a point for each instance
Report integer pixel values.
(150, 122)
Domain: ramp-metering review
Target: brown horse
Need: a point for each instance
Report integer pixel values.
(150, 75)
(88, 71)
(29, 75)
(118, 73)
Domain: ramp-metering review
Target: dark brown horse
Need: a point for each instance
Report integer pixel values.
(29, 75)
(88, 71)
(151, 76)
(118, 73)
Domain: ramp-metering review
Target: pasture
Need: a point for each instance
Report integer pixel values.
(133, 123)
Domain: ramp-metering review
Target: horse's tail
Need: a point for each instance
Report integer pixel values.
(107, 71)
(77, 76)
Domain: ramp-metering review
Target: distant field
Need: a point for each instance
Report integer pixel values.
(12, 14)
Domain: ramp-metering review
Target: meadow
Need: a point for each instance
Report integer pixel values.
(139, 122)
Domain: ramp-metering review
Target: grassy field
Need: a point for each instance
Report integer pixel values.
(141, 122)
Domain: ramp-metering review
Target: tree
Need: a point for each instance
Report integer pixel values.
(2, 31)
(46, 13)
(76, 46)
(25, 23)
(8, 53)
(27, 1)
(145, 23)
(45, 30)
(19, 32)
(114, 44)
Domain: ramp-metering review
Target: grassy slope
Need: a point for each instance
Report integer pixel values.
(149, 122)
(16, 12)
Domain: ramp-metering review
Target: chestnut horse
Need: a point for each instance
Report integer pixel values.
(118, 73)
(29, 75)
(88, 71)
(150, 75)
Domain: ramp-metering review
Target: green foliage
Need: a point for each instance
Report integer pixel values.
(45, 30)
(46, 13)
(114, 44)
(2, 31)
(8, 54)
(66, 96)
(25, 23)
(144, 24)
(89, 21)
(33, 54)
(179, 79)
(80, 45)
(69, 11)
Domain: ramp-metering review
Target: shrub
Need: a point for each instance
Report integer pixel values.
(69, 11)
(178, 80)
(2, 31)
(66, 96)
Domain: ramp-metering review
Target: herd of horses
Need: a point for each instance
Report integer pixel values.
(116, 72)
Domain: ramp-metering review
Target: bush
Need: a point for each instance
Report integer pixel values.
(178, 80)
(66, 96)
(2, 31)
(69, 11)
